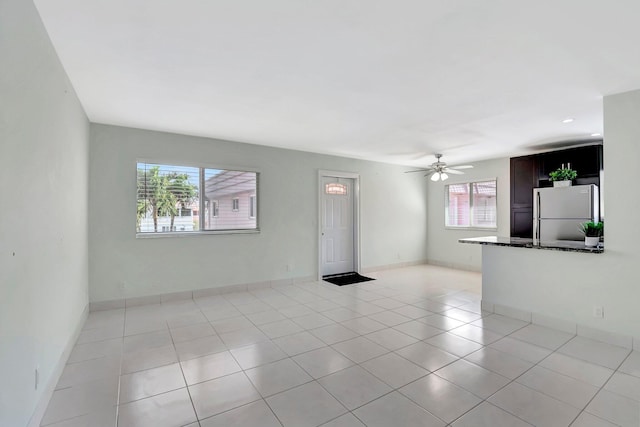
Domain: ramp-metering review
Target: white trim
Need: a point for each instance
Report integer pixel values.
(452, 227)
(163, 234)
(45, 397)
(201, 199)
(196, 293)
(356, 216)
(375, 269)
(456, 265)
(578, 329)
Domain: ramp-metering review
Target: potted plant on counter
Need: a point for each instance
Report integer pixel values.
(563, 177)
(592, 232)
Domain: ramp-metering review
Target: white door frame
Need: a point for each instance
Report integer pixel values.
(356, 215)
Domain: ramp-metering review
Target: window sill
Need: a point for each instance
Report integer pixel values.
(170, 234)
(471, 228)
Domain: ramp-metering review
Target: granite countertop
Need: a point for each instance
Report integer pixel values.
(518, 242)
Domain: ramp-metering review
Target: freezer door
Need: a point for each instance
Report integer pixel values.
(566, 202)
(560, 229)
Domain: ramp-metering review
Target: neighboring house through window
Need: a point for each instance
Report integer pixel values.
(169, 199)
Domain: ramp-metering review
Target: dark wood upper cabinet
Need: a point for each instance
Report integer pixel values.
(587, 161)
(529, 172)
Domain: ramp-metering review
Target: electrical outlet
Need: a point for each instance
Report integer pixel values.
(598, 311)
(289, 267)
(37, 377)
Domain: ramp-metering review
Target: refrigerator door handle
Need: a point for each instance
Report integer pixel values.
(536, 217)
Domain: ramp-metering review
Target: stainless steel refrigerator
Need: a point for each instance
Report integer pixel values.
(559, 211)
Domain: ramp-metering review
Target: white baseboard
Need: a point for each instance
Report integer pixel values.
(197, 293)
(367, 270)
(457, 266)
(608, 337)
(514, 313)
(50, 387)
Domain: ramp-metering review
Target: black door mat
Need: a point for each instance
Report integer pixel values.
(345, 278)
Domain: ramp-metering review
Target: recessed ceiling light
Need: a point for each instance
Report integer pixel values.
(568, 120)
(596, 134)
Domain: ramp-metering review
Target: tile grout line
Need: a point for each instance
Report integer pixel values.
(173, 343)
(601, 389)
(514, 380)
(184, 377)
(554, 351)
(511, 381)
(244, 370)
(323, 297)
(124, 325)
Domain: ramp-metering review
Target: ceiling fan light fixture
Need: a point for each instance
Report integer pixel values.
(439, 171)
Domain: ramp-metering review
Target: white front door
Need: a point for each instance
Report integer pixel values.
(337, 233)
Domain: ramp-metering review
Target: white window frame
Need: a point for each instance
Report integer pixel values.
(201, 210)
(235, 204)
(469, 186)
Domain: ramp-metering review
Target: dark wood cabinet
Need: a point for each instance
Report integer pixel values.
(522, 222)
(524, 178)
(587, 161)
(529, 172)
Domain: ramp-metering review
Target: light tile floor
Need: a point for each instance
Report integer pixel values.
(412, 348)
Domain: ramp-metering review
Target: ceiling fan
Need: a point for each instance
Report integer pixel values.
(439, 171)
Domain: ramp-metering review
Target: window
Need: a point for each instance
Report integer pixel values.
(215, 208)
(471, 205)
(169, 199)
(252, 206)
(335, 188)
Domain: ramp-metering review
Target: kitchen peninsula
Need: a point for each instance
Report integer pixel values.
(592, 294)
(549, 283)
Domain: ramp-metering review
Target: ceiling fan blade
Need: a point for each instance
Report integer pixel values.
(453, 171)
(420, 170)
(439, 170)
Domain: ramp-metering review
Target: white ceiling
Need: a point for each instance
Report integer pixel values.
(375, 79)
